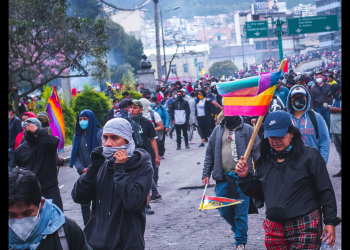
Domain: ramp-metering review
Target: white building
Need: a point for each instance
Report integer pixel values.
(303, 8)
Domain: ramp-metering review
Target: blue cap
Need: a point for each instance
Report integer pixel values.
(277, 124)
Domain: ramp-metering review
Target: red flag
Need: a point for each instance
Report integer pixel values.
(285, 69)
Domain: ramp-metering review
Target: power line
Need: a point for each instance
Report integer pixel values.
(115, 7)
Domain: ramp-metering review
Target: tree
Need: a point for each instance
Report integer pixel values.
(120, 71)
(94, 101)
(226, 67)
(44, 43)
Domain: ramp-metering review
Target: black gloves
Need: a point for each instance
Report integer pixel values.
(97, 159)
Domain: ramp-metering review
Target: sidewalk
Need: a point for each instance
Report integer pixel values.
(66, 154)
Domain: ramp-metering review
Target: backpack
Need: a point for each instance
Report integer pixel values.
(313, 120)
(159, 133)
(62, 237)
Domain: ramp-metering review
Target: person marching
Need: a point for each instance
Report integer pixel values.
(117, 182)
(88, 136)
(203, 112)
(293, 181)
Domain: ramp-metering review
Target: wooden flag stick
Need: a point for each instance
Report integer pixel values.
(258, 123)
(252, 139)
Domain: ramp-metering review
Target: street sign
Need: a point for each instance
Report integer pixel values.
(256, 29)
(195, 62)
(313, 24)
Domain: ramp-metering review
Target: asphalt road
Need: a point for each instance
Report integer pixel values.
(177, 223)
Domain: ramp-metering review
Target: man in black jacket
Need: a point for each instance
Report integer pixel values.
(38, 154)
(35, 220)
(117, 182)
(180, 115)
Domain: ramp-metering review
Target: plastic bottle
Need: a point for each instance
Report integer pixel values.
(324, 244)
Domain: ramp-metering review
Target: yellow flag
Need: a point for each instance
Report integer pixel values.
(108, 84)
(203, 72)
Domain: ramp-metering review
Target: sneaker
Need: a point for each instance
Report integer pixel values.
(338, 174)
(161, 157)
(201, 145)
(187, 146)
(149, 210)
(240, 247)
(178, 147)
(171, 136)
(155, 198)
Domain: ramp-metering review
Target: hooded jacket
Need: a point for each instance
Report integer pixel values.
(307, 129)
(119, 195)
(180, 111)
(212, 161)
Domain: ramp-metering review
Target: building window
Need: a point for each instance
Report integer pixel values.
(185, 65)
(200, 66)
(173, 69)
(257, 45)
(264, 45)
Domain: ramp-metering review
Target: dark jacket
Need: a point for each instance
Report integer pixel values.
(318, 97)
(74, 235)
(110, 114)
(295, 189)
(40, 158)
(119, 195)
(14, 129)
(212, 161)
(180, 111)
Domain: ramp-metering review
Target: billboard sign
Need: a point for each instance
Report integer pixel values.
(266, 6)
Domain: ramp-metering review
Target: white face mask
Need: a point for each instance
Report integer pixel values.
(25, 226)
(319, 80)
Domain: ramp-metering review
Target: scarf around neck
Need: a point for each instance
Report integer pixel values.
(136, 127)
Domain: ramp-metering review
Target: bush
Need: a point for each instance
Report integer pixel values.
(69, 122)
(94, 101)
(133, 95)
(226, 67)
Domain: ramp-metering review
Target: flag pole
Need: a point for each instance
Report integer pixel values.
(258, 124)
(206, 185)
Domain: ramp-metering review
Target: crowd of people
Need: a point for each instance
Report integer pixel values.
(118, 164)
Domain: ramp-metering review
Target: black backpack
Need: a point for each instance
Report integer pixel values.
(313, 120)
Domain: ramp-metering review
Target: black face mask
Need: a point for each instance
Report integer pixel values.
(299, 103)
(231, 122)
(180, 97)
(29, 136)
(213, 90)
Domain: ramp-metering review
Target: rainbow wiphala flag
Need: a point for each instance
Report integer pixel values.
(56, 118)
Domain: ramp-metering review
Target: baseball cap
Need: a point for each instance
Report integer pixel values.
(277, 124)
(213, 84)
(124, 103)
(183, 90)
(298, 90)
(136, 102)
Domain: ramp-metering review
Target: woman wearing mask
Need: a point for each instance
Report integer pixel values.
(293, 181)
(88, 134)
(203, 112)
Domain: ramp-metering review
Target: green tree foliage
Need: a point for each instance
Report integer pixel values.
(94, 101)
(120, 71)
(133, 95)
(226, 67)
(85, 8)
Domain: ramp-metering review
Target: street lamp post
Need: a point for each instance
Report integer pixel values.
(161, 21)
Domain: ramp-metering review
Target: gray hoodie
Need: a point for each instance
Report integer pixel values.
(212, 161)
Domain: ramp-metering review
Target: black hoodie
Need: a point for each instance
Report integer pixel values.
(119, 195)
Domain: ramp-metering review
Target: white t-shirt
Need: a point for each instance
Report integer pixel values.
(200, 107)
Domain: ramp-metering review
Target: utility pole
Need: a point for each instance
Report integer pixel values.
(205, 42)
(161, 20)
(279, 33)
(159, 63)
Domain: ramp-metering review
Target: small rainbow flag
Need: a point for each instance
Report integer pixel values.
(208, 202)
(56, 118)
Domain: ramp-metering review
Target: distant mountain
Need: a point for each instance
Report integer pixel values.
(190, 8)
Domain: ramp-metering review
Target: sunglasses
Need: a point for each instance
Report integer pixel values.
(230, 133)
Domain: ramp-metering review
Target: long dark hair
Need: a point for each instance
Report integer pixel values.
(203, 94)
(297, 146)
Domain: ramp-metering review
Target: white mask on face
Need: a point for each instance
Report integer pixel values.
(319, 80)
(25, 226)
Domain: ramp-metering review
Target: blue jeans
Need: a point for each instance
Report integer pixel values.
(326, 116)
(235, 215)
